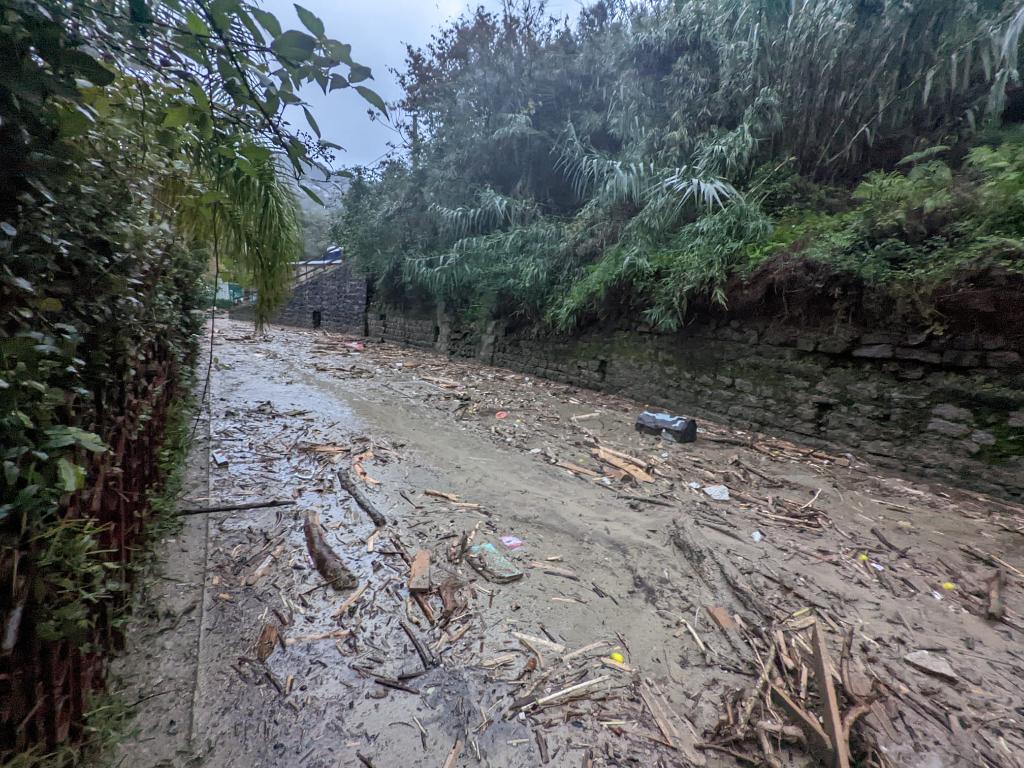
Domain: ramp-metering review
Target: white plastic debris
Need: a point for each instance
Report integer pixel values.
(757, 536)
(717, 492)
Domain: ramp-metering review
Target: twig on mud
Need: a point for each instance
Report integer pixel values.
(387, 682)
(360, 498)
(236, 507)
(453, 756)
(647, 500)
(425, 654)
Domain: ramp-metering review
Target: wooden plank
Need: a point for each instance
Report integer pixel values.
(640, 475)
(453, 756)
(540, 642)
(419, 571)
(682, 740)
(624, 456)
(576, 469)
(996, 608)
(829, 703)
(657, 708)
(722, 618)
(819, 741)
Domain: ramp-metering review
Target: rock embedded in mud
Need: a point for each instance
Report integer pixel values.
(926, 661)
(951, 412)
(874, 351)
(944, 427)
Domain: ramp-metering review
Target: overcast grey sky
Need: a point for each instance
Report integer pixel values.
(378, 31)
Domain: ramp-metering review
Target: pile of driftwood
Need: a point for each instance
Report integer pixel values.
(801, 700)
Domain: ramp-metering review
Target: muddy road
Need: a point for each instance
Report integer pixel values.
(656, 622)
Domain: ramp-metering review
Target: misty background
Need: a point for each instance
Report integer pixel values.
(378, 31)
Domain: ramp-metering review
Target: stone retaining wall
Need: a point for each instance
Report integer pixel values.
(941, 406)
(338, 293)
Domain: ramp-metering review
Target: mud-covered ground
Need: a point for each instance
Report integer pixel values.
(653, 626)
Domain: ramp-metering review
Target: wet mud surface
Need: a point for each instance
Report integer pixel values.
(652, 623)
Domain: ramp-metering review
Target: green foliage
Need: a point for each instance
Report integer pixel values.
(140, 143)
(637, 159)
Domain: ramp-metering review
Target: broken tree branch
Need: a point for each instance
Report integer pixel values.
(235, 507)
(360, 498)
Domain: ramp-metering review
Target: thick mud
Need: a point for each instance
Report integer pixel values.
(615, 561)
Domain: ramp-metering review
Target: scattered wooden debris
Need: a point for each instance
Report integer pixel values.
(268, 640)
(359, 470)
(722, 618)
(334, 634)
(419, 571)
(631, 466)
(426, 655)
(571, 692)
(554, 570)
(260, 571)
(441, 495)
(361, 499)
(675, 738)
(576, 469)
(454, 598)
(350, 601)
(996, 608)
(830, 705)
(235, 507)
(453, 756)
(539, 642)
(499, 661)
(326, 560)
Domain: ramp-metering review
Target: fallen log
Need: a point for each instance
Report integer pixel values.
(326, 560)
(361, 499)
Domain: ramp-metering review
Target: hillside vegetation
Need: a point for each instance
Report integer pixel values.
(643, 156)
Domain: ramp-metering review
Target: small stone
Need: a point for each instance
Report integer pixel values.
(874, 351)
(806, 343)
(920, 355)
(944, 427)
(917, 339)
(950, 412)
(925, 661)
(878, 338)
(834, 345)
(983, 438)
(961, 358)
(1003, 359)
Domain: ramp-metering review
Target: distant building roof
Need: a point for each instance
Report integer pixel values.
(332, 255)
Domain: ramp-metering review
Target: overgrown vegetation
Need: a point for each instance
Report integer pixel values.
(639, 158)
(141, 144)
